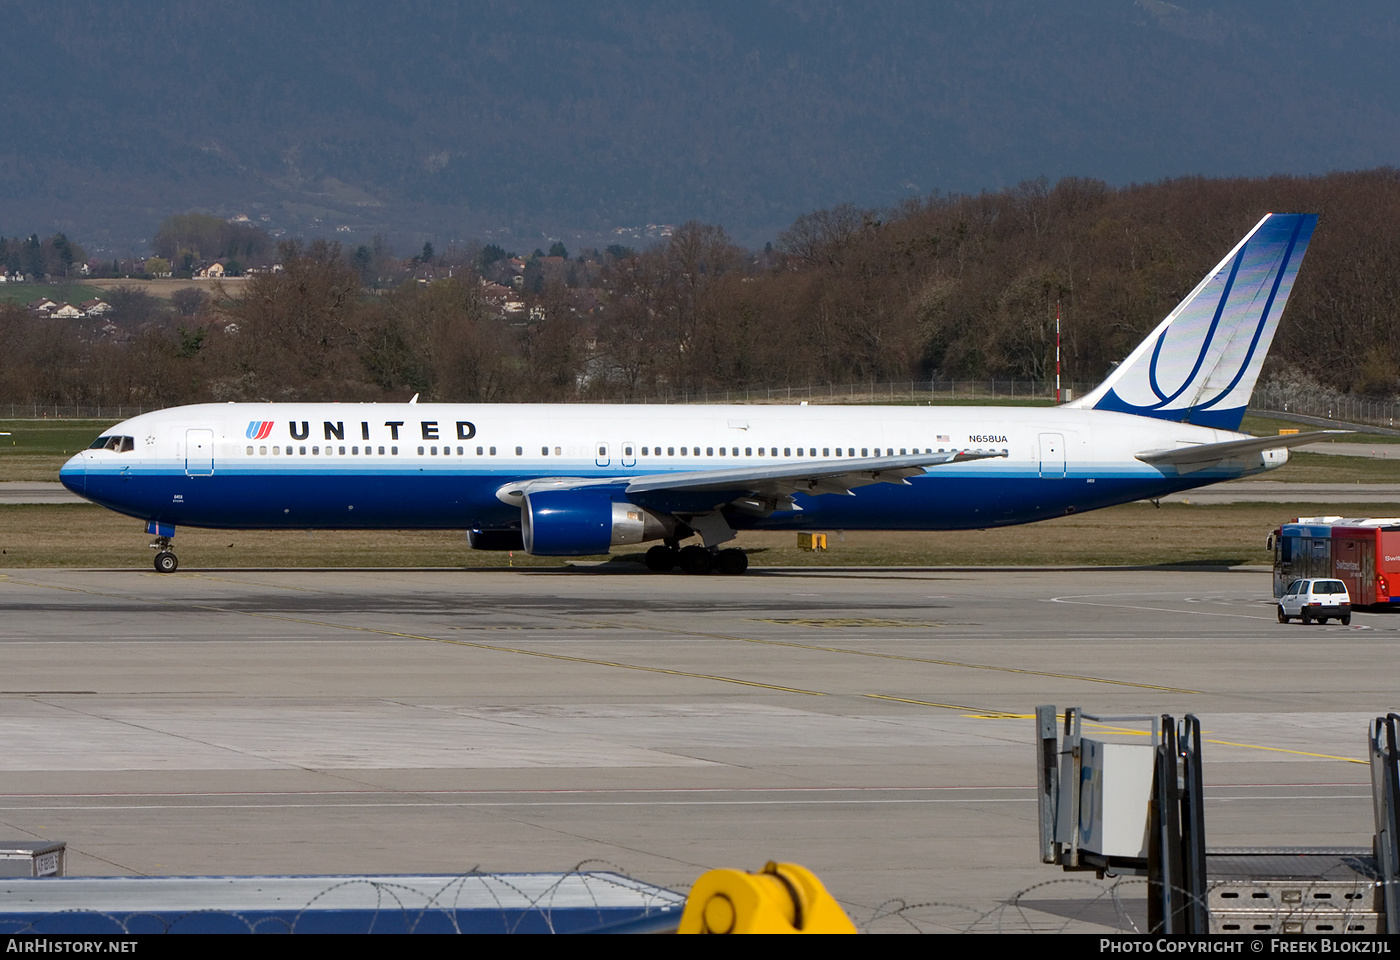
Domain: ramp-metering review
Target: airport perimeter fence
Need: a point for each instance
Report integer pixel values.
(890, 391)
(55, 411)
(898, 391)
(1307, 400)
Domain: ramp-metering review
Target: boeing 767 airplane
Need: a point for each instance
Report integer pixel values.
(576, 480)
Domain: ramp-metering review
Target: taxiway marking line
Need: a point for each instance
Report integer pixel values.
(922, 703)
(1129, 731)
(929, 660)
(594, 624)
(493, 804)
(461, 643)
(509, 803)
(547, 656)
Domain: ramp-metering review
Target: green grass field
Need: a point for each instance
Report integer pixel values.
(73, 293)
(35, 449)
(82, 535)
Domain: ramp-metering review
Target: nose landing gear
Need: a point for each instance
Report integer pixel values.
(166, 561)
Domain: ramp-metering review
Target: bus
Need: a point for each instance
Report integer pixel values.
(1364, 553)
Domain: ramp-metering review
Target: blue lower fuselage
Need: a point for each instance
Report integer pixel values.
(439, 497)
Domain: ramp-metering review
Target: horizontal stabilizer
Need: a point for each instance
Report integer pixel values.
(1201, 455)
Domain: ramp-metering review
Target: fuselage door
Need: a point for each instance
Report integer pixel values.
(629, 453)
(601, 449)
(199, 453)
(1052, 455)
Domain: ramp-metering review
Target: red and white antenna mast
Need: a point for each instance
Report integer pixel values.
(1057, 351)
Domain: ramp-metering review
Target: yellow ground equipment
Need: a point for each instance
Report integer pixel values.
(780, 898)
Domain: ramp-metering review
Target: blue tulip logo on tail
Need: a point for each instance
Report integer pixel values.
(259, 429)
(1200, 364)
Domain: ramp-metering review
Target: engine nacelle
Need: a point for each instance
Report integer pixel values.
(580, 523)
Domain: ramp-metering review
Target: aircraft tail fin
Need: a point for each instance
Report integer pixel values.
(1200, 364)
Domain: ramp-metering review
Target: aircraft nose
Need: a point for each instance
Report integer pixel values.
(73, 474)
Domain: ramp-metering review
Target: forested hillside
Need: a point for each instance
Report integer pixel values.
(429, 120)
(947, 286)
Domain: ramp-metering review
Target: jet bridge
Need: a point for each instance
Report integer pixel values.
(1129, 800)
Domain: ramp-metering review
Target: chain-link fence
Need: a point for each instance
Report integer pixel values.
(1285, 396)
(54, 411)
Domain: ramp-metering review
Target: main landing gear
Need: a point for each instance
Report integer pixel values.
(166, 562)
(697, 559)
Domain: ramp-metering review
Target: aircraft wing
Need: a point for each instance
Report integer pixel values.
(761, 488)
(816, 477)
(1198, 456)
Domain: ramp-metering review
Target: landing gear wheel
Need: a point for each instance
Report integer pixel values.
(661, 559)
(732, 562)
(697, 560)
(1282, 617)
(166, 562)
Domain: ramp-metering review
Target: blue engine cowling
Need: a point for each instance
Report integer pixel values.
(580, 523)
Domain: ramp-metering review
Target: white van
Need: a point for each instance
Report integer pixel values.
(1319, 600)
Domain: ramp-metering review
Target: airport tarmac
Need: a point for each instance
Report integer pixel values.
(872, 725)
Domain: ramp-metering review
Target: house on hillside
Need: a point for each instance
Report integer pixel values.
(42, 306)
(95, 308)
(65, 311)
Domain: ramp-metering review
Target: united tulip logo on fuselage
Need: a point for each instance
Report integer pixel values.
(260, 429)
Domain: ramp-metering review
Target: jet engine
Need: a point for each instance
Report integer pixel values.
(579, 523)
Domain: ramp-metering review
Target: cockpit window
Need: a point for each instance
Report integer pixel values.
(115, 444)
